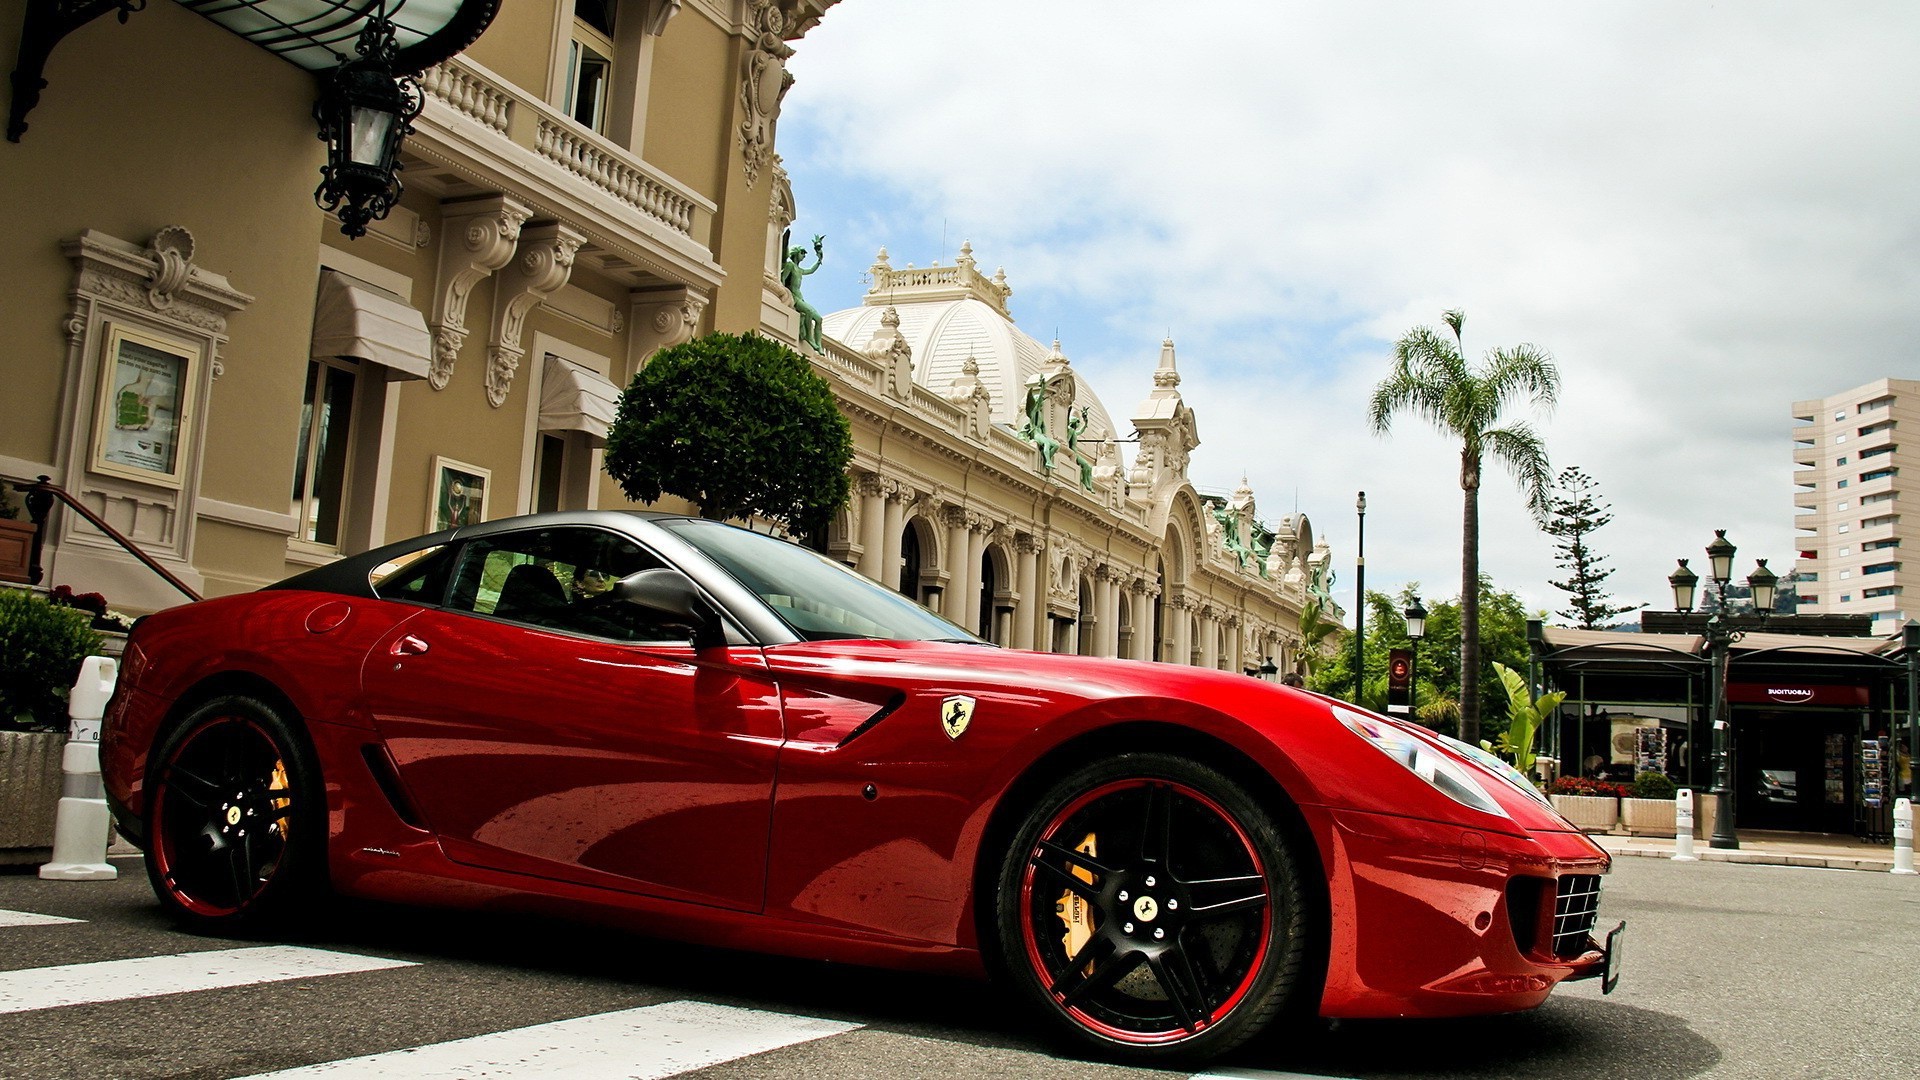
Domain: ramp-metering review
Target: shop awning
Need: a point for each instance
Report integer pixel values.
(353, 318)
(575, 398)
(319, 34)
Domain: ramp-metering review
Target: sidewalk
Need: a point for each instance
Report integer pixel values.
(1767, 848)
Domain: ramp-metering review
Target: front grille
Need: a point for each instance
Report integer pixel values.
(1575, 907)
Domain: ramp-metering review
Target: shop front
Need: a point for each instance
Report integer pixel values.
(1821, 726)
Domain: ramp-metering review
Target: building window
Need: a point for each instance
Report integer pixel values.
(1845, 574)
(1879, 545)
(1840, 414)
(1876, 522)
(1842, 483)
(1884, 590)
(320, 462)
(1876, 452)
(1845, 551)
(1839, 438)
(1840, 461)
(1809, 575)
(549, 467)
(1878, 474)
(1840, 506)
(1876, 403)
(1846, 598)
(1880, 568)
(1885, 496)
(590, 63)
(1844, 527)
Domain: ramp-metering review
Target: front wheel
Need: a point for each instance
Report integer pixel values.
(1152, 910)
(234, 817)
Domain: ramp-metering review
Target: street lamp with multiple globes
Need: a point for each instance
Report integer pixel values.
(1416, 616)
(1360, 600)
(1764, 584)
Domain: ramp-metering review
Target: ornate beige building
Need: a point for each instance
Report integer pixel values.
(201, 357)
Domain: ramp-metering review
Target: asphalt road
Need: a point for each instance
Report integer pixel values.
(1732, 971)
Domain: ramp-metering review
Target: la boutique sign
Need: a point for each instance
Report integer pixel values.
(1770, 694)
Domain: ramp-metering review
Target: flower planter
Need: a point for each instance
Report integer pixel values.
(30, 783)
(16, 549)
(1648, 817)
(1591, 813)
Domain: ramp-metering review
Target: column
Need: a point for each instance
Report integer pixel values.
(872, 526)
(1182, 630)
(960, 583)
(1209, 638)
(1109, 613)
(978, 528)
(1027, 549)
(892, 522)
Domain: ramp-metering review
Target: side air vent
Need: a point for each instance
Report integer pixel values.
(381, 766)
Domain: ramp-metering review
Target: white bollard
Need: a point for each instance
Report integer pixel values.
(1683, 826)
(82, 825)
(1903, 837)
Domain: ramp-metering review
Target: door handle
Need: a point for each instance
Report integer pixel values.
(409, 646)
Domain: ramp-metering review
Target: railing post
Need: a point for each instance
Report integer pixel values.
(1683, 826)
(39, 506)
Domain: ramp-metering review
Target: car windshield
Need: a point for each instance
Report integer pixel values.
(817, 597)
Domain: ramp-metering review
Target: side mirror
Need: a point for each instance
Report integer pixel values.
(671, 593)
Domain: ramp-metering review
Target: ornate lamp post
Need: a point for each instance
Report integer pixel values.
(364, 112)
(1360, 600)
(1416, 616)
(1720, 638)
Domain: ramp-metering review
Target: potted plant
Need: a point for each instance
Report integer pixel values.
(16, 539)
(41, 647)
(1649, 811)
(1591, 805)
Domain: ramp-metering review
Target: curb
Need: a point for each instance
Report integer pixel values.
(1764, 858)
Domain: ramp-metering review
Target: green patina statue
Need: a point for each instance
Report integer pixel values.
(1229, 520)
(1077, 423)
(1035, 429)
(790, 275)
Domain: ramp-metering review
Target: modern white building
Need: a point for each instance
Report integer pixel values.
(1850, 460)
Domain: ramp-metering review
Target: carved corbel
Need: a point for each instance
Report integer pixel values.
(475, 241)
(542, 265)
(764, 81)
(661, 319)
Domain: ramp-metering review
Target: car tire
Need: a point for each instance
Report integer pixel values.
(235, 817)
(1150, 910)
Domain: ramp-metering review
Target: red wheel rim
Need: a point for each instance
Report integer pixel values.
(221, 811)
(1176, 904)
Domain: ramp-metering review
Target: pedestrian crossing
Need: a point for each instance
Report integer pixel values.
(654, 1041)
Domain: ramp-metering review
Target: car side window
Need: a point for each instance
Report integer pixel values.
(559, 579)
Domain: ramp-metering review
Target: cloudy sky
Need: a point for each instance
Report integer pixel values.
(1704, 211)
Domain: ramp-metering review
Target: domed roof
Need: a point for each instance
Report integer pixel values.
(950, 313)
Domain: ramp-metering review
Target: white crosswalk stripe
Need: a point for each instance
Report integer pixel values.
(153, 976)
(28, 918)
(654, 1041)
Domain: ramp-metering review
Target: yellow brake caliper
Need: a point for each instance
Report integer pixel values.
(1074, 910)
(280, 803)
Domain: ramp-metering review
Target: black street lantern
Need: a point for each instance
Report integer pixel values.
(1720, 554)
(364, 112)
(1684, 582)
(1416, 617)
(1764, 583)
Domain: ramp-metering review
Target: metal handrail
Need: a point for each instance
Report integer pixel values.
(40, 495)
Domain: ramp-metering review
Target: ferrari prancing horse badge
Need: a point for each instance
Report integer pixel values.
(955, 714)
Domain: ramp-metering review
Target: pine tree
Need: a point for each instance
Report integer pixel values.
(1578, 512)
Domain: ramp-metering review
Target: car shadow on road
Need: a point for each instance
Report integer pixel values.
(1569, 1038)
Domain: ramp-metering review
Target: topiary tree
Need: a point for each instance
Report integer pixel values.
(737, 425)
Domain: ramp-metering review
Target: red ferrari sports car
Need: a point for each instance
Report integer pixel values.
(712, 734)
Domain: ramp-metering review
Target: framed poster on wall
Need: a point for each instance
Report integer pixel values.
(457, 495)
(144, 415)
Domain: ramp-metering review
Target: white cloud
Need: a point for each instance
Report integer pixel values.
(1704, 211)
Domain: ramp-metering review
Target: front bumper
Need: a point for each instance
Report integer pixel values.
(1433, 919)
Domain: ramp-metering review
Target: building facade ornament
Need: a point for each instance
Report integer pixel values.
(542, 265)
(661, 319)
(476, 239)
(764, 79)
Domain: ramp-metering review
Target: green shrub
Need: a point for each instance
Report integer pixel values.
(1653, 785)
(41, 647)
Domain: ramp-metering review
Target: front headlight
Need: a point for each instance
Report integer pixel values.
(1498, 765)
(1422, 759)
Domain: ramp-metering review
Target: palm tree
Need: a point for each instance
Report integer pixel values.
(1431, 378)
(1315, 629)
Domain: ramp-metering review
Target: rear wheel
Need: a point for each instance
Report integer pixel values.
(1152, 910)
(235, 820)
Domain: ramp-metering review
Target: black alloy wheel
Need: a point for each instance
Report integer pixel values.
(235, 818)
(1153, 910)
